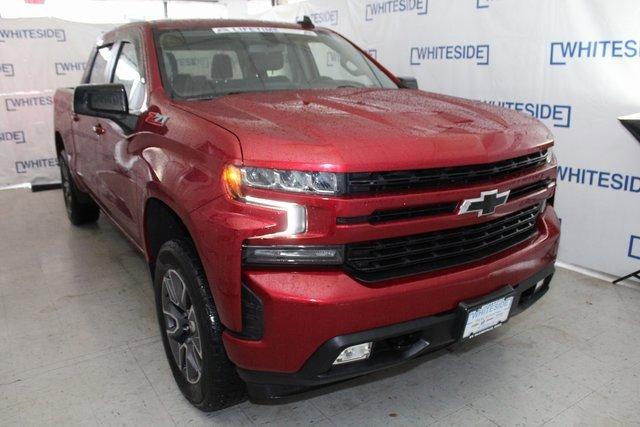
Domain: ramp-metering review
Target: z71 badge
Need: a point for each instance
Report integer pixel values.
(156, 119)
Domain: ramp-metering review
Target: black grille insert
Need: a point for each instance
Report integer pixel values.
(396, 214)
(404, 256)
(251, 314)
(386, 215)
(372, 182)
(528, 189)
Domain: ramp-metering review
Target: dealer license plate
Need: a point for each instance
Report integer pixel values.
(488, 316)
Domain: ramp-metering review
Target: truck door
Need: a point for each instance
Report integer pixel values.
(86, 129)
(117, 166)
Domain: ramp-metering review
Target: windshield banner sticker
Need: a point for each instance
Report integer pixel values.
(227, 30)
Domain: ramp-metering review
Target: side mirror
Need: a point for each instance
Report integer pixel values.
(407, 83)
(108, 101)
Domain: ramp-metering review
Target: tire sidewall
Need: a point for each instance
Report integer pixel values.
(174, 255)
(65, 174)
(78, 211)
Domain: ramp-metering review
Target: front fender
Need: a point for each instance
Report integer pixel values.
(183, 168)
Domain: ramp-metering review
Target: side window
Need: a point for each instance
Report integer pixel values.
(129, 74)
(100, 65)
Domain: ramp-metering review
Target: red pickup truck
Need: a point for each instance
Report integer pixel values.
(306, 215)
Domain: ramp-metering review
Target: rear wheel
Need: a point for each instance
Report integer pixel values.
(191, 330)
(81, 209)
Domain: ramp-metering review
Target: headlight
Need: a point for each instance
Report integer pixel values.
(325, 183)
(235, 178)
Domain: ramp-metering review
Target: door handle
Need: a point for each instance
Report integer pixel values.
(98, 129)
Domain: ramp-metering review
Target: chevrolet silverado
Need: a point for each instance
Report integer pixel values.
(306, 215)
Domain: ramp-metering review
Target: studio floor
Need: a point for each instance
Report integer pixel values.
(79, 345)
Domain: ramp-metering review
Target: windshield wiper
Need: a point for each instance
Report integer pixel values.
(214, 96)
(235, 92)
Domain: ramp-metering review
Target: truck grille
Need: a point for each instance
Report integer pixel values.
(380, 216)
(372, 182)
(404, 256)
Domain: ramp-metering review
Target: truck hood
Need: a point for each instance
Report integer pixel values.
(357, 130)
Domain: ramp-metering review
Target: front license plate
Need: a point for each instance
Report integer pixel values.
(488, 316)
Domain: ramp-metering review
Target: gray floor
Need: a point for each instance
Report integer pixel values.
(79, 345)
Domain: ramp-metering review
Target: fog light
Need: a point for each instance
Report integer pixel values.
(303, 255)
(539, 285)
(354, 353)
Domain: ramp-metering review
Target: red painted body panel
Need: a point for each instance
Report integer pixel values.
(360, 130)
(342, 130)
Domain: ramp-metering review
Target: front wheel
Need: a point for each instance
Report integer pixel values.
(191, 330)
(81, 209)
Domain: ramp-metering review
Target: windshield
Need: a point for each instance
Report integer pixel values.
(205, 63)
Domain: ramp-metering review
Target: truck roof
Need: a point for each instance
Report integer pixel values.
(179, 24)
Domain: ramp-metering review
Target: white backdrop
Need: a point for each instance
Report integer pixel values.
(36, 56)
(575, 64)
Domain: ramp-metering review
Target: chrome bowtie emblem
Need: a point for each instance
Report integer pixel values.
(485, 204)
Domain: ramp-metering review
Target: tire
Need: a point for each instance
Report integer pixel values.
(81, 209)
(191, 330)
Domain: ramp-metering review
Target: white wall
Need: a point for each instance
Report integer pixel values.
(37, 55)
(118, 11)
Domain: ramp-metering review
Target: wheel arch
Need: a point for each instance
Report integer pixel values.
(161, 223)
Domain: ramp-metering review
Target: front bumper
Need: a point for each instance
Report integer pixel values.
(392, 345)
(303, 310)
